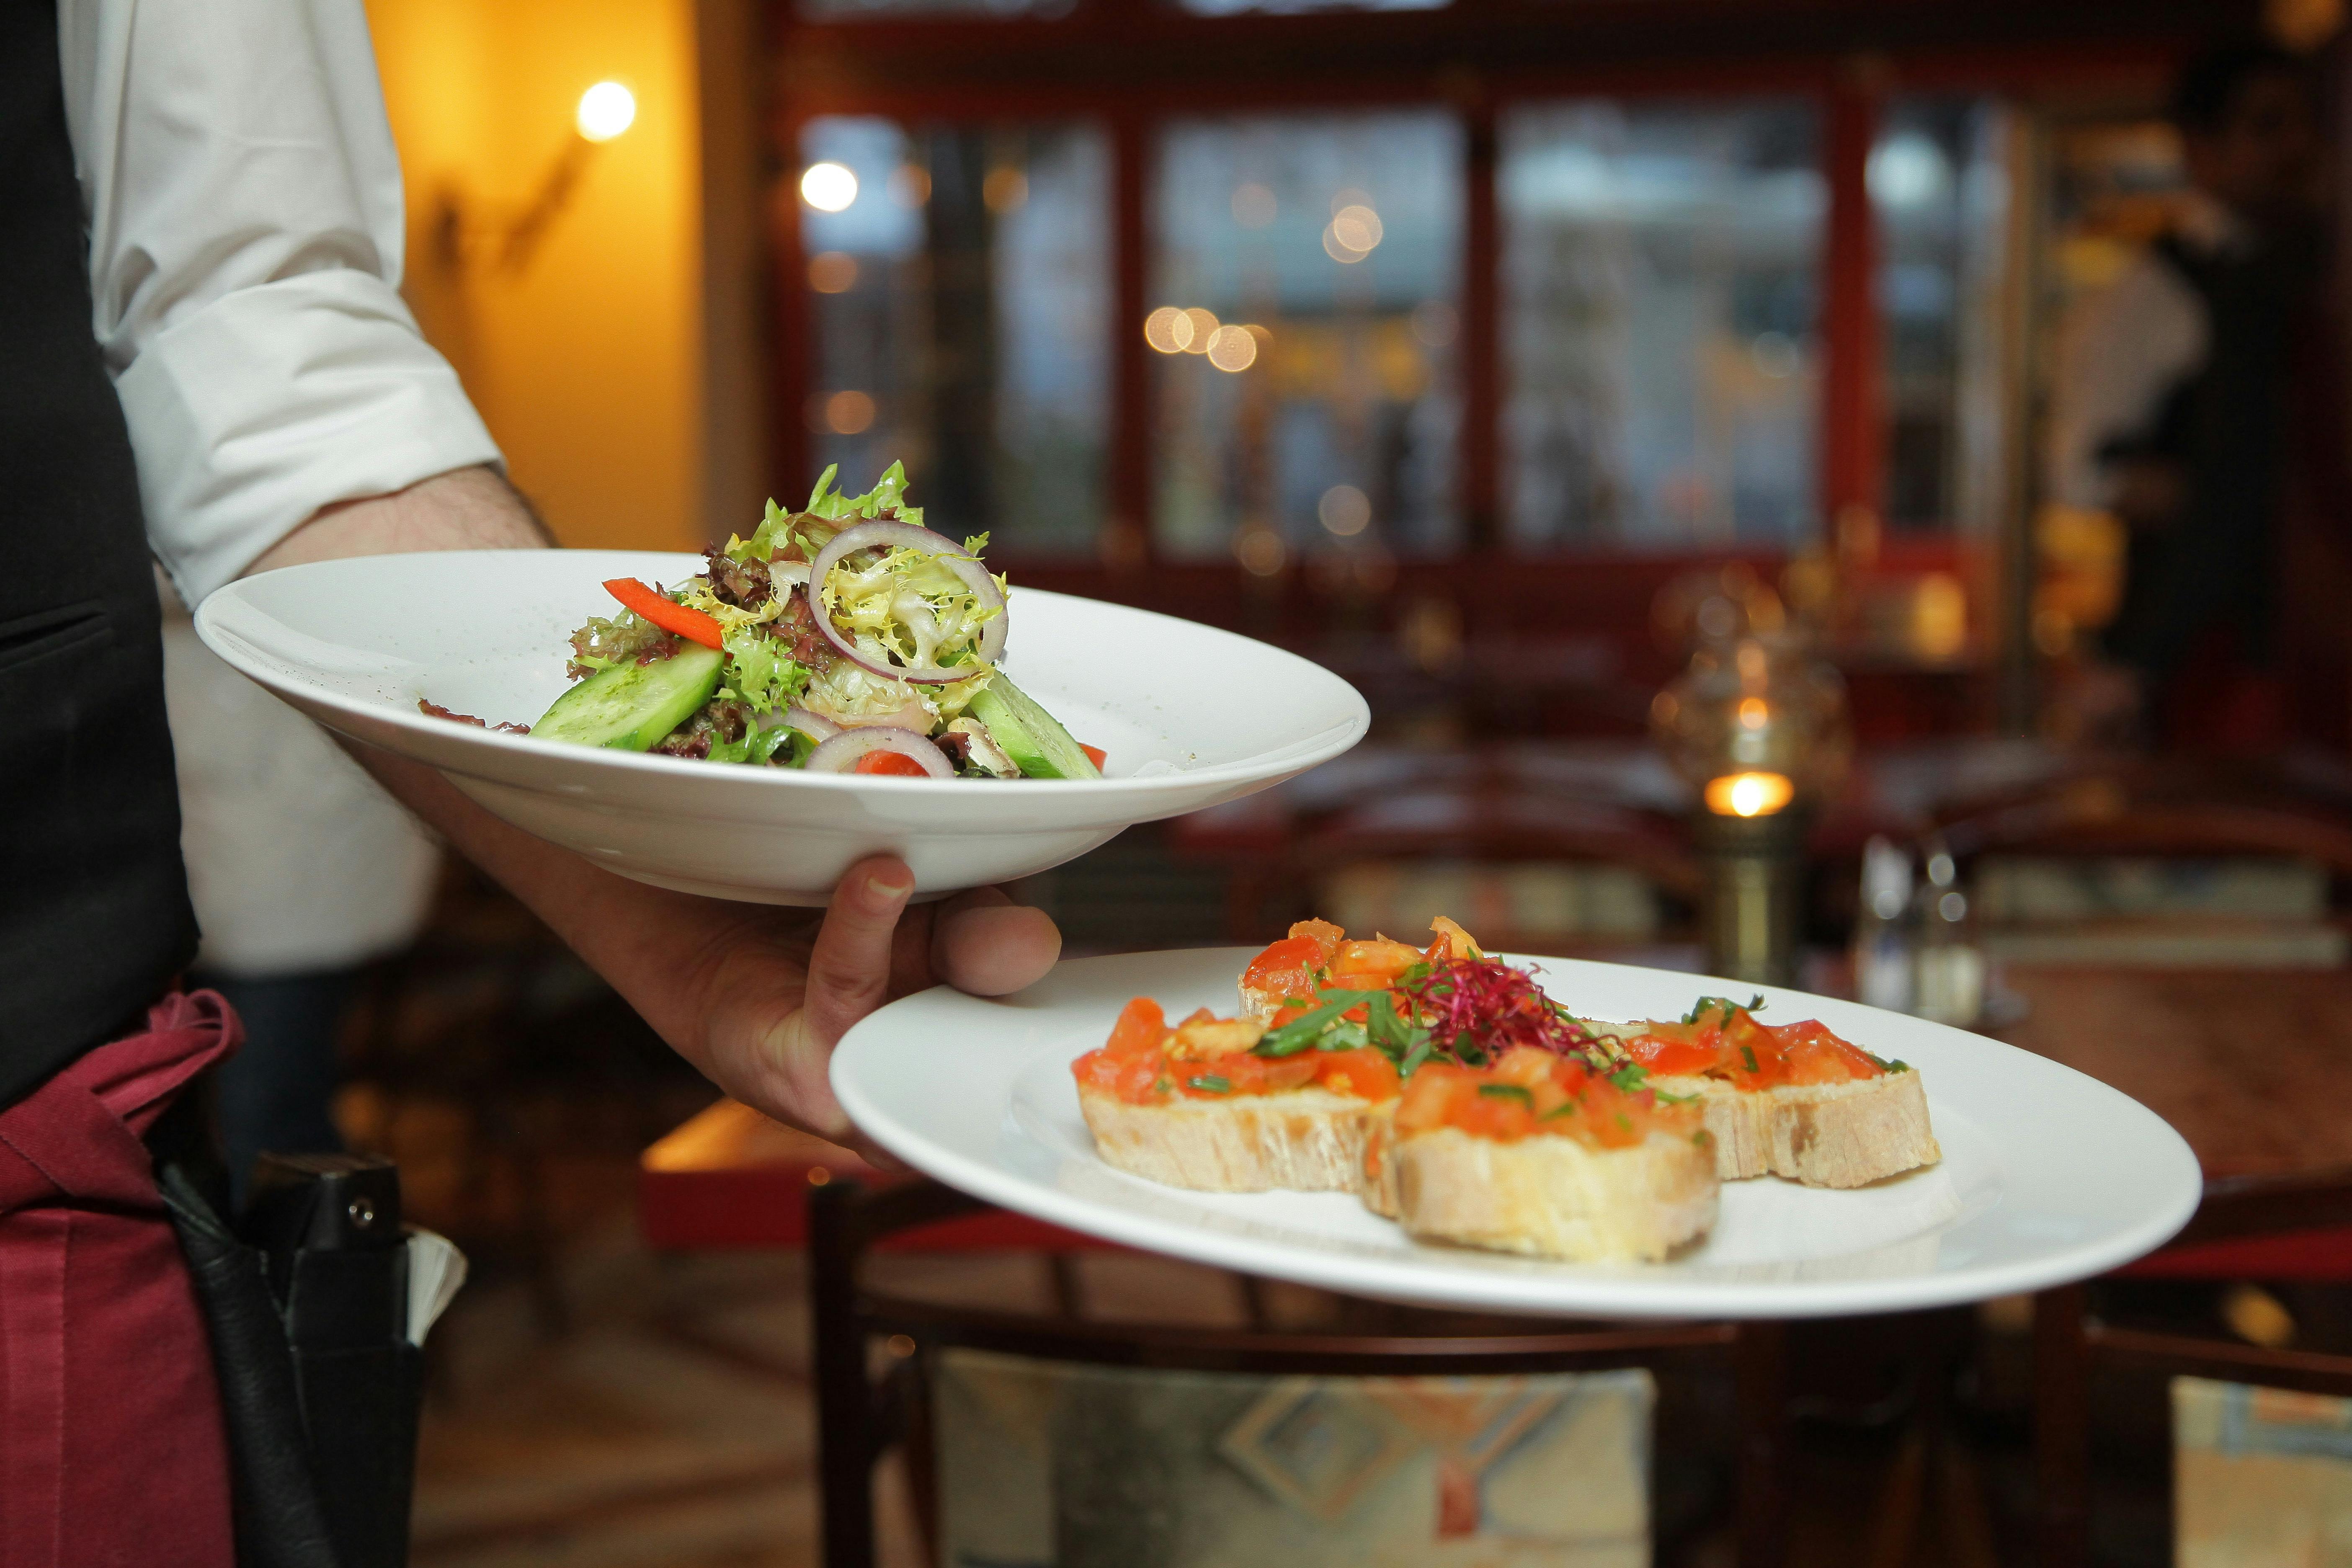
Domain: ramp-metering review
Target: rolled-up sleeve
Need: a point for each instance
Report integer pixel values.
(245, 233)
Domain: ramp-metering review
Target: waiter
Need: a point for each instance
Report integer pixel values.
(203, 354)
(2173, 399)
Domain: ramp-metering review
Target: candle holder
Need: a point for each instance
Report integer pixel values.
(1758, 726)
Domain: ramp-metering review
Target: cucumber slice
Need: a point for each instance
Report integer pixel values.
(631, 707)
(1031, 737)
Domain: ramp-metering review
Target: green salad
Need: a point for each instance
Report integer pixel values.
(844, 638)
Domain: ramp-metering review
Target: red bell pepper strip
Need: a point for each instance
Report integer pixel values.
(689, 624)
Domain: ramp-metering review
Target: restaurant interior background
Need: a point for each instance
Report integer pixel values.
(1485, 352)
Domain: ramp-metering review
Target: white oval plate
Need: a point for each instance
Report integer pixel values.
(1191, 717)
(2048, 1175)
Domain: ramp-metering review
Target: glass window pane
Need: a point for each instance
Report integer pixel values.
(1662, 274)
(958, 305)
(1321, 424)
(1939, 194)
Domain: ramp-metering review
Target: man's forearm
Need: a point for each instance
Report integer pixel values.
(471, 509)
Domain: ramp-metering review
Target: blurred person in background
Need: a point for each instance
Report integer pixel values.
(205, 356)
(2177, 393)
(302, 871)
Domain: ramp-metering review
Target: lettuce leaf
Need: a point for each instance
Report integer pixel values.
(775, 530)
(760, 668)
(888, 495)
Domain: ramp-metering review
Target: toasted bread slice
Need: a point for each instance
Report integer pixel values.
(1548, 1196)
(1823, 1134)
(1303, 1140)
(1378, 1187)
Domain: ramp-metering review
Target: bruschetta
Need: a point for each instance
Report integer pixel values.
(1792, 1100)
(1285, 979)
(1539, 1154)
(1209, 1104)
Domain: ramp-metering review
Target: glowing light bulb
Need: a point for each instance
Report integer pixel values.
(605, 110)
(828, 187)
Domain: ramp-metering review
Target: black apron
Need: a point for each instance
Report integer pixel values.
(94, 913)
(2225, 426)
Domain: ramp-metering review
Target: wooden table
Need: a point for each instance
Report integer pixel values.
(2253, 1069)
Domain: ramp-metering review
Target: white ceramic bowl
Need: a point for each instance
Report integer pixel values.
(1191, 717)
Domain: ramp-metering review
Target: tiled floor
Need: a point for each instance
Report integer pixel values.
(669, 1422)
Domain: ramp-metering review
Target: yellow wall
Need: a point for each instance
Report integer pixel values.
(587, 364)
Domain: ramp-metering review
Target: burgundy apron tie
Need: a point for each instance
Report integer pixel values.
(111, 1448)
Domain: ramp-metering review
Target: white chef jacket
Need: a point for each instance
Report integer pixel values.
(2124, 352)
(245, 232)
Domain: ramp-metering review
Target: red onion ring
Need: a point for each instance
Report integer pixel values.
(889, 535)
(816, 726)
(840, 755)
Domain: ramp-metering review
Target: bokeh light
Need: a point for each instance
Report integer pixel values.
(828, 187)
(1232, 348)
(1260, 550)
(848, 413)
(1357, 227)
(1168, 329)
(1006, 189)
(833, 272)
(1345, 510)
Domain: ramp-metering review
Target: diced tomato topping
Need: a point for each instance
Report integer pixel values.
(1134, 1065)
(1371, 965)
(1286, 969)
(1750, 1055)
(1095, 754)
(1694, 1049)
(889, 763)
(1326, 936)
(1532, 1091)
(1816, 1056)
(1141, 1026)
(1365, 1074)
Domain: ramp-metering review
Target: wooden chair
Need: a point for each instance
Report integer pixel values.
(861, 1417)
(2265, 1231)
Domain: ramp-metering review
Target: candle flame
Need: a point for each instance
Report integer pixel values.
(1748, 795)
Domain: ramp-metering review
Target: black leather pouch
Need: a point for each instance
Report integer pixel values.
(329, 1226)
(309, 1321)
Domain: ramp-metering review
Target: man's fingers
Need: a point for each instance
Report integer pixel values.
(984, 943)
(849, 967)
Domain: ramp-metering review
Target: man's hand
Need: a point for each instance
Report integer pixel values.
(755, 996)
(777, 995)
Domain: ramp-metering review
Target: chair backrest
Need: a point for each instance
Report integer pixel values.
(860, 1418)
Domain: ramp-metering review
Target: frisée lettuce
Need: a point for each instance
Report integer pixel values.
(871, 665)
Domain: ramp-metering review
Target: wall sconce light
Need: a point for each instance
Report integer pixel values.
(604, 111)
(1758, 725)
